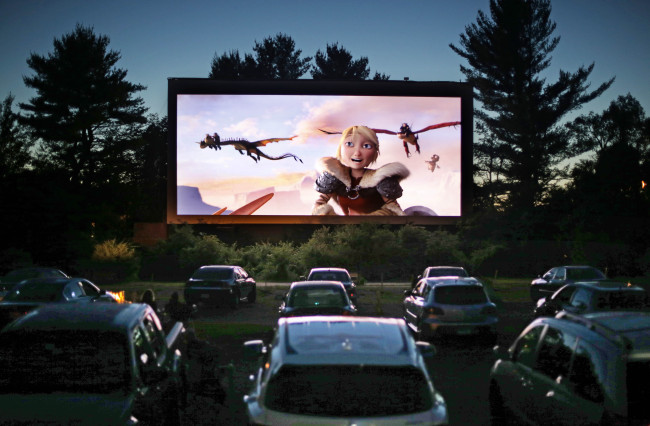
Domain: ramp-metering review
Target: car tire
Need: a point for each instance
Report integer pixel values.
(252, 296)
(498, 412)
(234, 300)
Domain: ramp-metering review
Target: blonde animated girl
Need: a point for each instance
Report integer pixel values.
(357, 189)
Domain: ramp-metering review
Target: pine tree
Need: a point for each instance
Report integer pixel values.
(506, 55)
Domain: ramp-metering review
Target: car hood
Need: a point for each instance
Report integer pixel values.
(66, 408)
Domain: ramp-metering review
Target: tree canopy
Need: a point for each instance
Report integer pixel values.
(507, 54)
(84, 113)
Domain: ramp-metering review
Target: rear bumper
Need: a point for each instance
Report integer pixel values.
(208, 294)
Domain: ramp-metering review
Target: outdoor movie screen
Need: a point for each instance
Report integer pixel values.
(274, 152)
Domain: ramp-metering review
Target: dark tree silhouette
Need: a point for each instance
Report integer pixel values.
(230, 66)
(276, 58)
(84, 112)
(14, 148)
(337, 64)
(506, 53)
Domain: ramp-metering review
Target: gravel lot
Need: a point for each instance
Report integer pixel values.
(460, 372)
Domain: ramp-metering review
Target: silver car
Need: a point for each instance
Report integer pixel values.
(335, 370)
(450, 305)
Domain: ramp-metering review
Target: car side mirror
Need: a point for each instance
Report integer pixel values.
(428, 350)
(408, 292)
(253, 349)
(303, 278)
(500, 352)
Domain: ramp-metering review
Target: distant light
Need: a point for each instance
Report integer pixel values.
(643, 184)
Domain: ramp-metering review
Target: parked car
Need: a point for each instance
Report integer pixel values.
(584, 297)
(335, 274)
(343, 370)
(575, 370)
(316, 298)
(450, 305)
(107, 364)
(32, 293)
(12, 278)
(444, 271)
(558, 276)
(220, 284)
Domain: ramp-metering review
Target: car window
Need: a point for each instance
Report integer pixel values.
(304, 297)
(621, 300)
(585, 374)
(524, 352)
(581, 298)
(348, 390)
(582, 274)
(560, 274)
(427, 291)
(420, 288)
(213, 273)
(564, 295)
(38, 361)
(153, 335)
(73, 290)
(638, 393)
(89, 289)
(459, 295)
(555, 351)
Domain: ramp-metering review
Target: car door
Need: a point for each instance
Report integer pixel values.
(552, 399)
(413, 304)
(516, 381)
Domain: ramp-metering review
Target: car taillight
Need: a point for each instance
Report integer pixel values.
(434, 312)
(346, 313)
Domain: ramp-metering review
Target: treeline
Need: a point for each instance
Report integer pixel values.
(82, 160)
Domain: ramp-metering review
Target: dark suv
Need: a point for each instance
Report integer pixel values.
(575, 370)
(584, 297)
(556, 277)
(91, 364)
(335, 274)
(220, 284)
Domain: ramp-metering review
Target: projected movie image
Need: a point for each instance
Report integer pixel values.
(266, 155)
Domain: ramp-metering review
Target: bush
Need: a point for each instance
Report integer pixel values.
(111, 262)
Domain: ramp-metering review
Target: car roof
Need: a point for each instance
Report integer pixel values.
(444, 267)
(219, 267)
(609, 285)
(633, 326)
(99, 317)
(317, 340)
(302, 284)
(453, 280)
(328, 270)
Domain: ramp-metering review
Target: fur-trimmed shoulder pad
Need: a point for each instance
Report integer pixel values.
(371, 177)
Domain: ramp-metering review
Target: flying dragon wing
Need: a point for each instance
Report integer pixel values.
(264, 142)
(437, 126)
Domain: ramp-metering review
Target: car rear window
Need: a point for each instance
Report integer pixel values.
(348, 391)
(213, 274)
(63, 361)
(329, 276)
(584, 274)
(638, 392)
(459, 295)
(309, 297)
(444, 272)
(36, 292)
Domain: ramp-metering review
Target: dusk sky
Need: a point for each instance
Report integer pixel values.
(161, 39)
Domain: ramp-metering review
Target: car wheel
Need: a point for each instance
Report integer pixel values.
(234, 300)
(498, 412)
(252, 296)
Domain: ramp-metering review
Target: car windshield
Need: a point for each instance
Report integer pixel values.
(459, 295)
(329, 276)
(322, 296)
(213, 274)
(444, 272)
(583, 274)
(63, 361)
(348, 391)
(36, 292)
